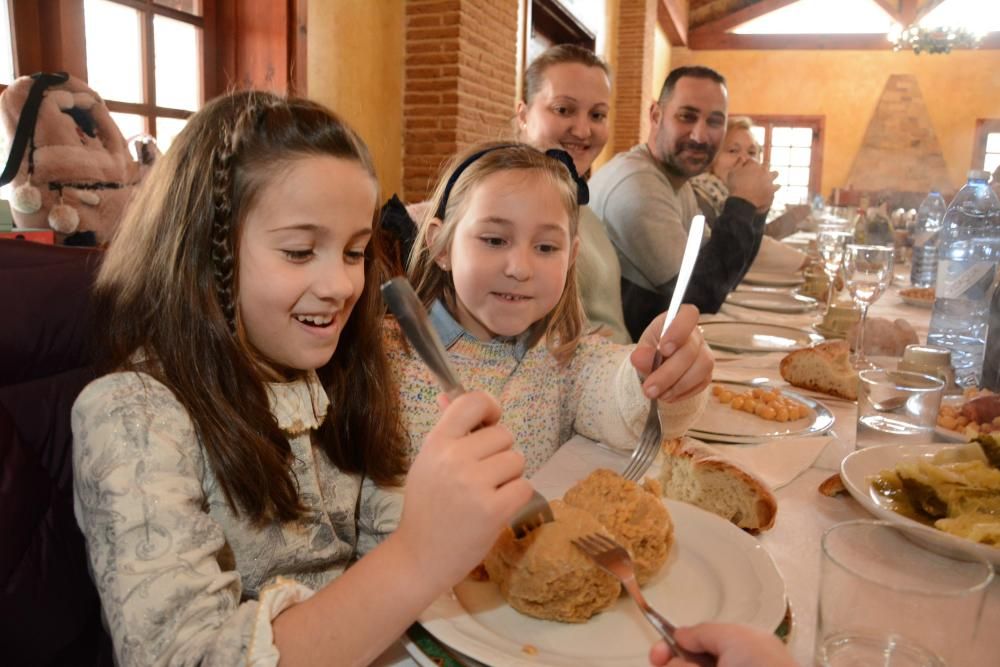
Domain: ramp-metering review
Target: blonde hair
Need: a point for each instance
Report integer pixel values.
(745, 123)
(563, 326)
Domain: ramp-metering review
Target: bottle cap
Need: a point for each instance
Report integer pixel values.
(978, 175)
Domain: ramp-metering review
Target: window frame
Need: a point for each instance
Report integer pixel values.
(816, 123)
(984, 128)
(150, 111)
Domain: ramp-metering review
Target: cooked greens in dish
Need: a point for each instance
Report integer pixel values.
(957, 491)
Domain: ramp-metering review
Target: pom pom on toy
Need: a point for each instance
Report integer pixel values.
(64, 219)
(26, 198)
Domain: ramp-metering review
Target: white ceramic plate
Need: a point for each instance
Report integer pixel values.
(777, 302)
(947, 434)
(858, 466)
(720, 423)
(715, 572)
(773, 279)
(756, 337)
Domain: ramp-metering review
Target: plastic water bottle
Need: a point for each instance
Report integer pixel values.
(968, 254)
(991, 366)
(923, 270)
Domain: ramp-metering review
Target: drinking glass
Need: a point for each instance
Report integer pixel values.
(894, 596)
(867, 274)
(831, 244)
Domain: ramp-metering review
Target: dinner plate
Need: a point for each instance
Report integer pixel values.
(773, 278)
(947, 434)
(721, 423)
(715, 572)
(777, 302)
(755, 337)
(858, 466)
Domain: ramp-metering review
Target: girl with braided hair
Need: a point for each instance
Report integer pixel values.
(228, 464)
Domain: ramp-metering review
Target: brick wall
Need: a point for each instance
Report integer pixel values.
(633, 72)
(900, 150)
(459, 86)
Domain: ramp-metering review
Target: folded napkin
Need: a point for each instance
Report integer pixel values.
(776, 462)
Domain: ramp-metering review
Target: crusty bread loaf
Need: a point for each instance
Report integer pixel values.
(824, 368)
(884, 338)
(695, 474)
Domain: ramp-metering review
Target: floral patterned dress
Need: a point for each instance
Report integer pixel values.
(182, 580)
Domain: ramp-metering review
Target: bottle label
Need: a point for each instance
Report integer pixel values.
(952, 286)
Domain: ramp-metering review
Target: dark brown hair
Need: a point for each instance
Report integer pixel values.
(693, 71)
(563, 326)
(168, 290)
(534, 75)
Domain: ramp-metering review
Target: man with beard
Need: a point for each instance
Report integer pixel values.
(644, 198)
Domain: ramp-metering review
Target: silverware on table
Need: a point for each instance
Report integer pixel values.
(649, 441)
(412, 318)
(614, 559)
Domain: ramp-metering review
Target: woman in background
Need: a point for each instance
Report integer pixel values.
(567, 96)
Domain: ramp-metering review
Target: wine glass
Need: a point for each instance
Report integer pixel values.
(867, 274)
(831, 243)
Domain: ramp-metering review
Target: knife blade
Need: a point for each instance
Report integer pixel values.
(687, 266)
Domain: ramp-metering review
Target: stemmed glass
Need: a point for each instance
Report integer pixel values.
(867, 274)
(831, 243)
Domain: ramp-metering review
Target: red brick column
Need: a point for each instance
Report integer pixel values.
(459, 85)
(633, 71)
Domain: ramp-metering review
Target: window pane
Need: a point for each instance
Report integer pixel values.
(993, 142)
(992, 162)
(167, 130)
(114, 50)
(798, 175)
(129, 123)
(780, 155)
(800, 157)
(189, 6)
(178, 63)
(6, 46)
(802, 136)
(781, 136)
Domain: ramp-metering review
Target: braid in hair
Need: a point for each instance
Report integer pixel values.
(223, 163)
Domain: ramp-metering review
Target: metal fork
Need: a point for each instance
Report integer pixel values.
(412, 318)
(649, 442)
(614, 559)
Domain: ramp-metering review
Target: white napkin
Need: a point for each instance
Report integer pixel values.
(776, 462)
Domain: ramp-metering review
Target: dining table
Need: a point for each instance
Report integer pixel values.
(804, 513)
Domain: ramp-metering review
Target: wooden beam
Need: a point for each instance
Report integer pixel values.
(891, 8)
(866, 42)
(739, 17)
(907, 12)
(672, 15)
(924, 10)
(728, 40)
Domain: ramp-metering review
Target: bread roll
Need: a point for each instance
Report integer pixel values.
(824, 368)
(884, 338)
(695, 474)
(544, 575)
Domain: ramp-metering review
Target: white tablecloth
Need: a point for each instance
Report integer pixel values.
(803, 513)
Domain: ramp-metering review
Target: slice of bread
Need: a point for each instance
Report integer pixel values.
(694, 473)
(824, 368)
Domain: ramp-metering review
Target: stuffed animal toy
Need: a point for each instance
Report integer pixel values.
(69, 164)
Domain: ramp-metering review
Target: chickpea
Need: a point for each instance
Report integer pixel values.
(737, 402)
(781, 414)
(725, 396)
